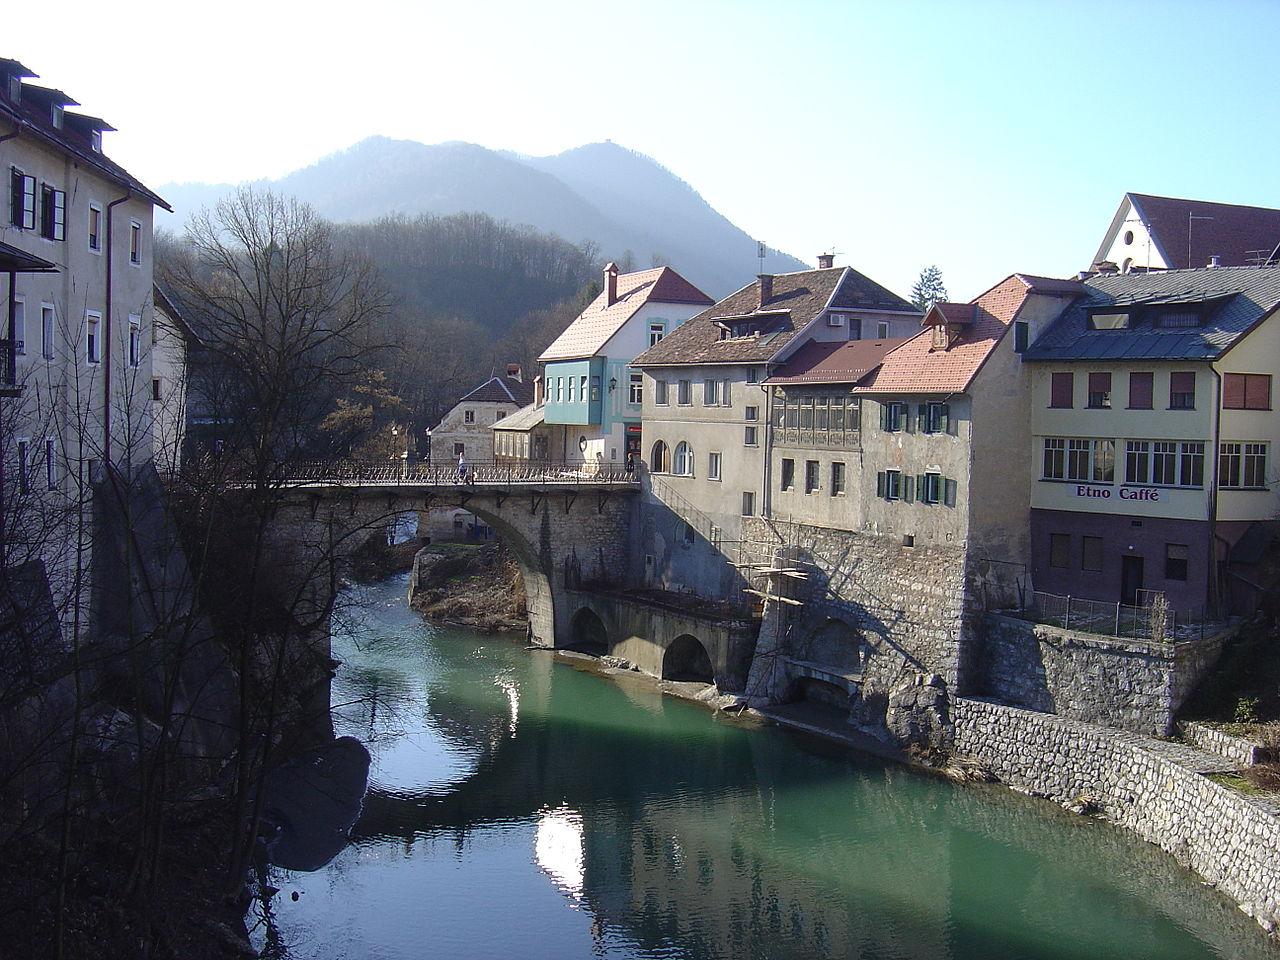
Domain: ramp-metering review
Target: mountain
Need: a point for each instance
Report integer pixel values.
(601, 192)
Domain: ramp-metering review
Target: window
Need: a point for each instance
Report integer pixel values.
(949, 489)
(1055, 458)
(1175, 561)
(726, 393)
(19, 327)
(837, 479)
(893, 416)
(24, 464)
(1137, 460)
(559, 389)
(1091, 553)
(459, 449)
(753, 375)
(22, 200)
(855, 328)
(1191, 463)
(53, 213)
(811, 474)
(1061, 390)
(929, 488)
(50, 464)
(582, 389)
(1164, 463)
(1178, 318)
(1100, 391)
(658, 460)
(135, 242)
(1109, 321)
(657, 330)
(1242, 466)
(788, 473)
(157, 388)
(709, 392)
(46, 330)
(713, 466)
(1141, 390)
(682, 465)
(1060, 550)
(92, 345)
(1246, 391)
(749, 435)
(882, 330)
(889, 484)
(468, 416)
(935, 417)
(684, 393)
(500, 415)
(573, 389)
(1087, 461)
(1182, 391)
(95, 228)
(1021, 333)
(135, 340)
(751, 413)
(748, 503)
(635, 389)
(660, 388)
(595, 389)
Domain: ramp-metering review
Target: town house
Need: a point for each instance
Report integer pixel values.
(1153, 437)
(466, 430)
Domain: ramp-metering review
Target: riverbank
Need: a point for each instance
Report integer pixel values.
(469, 585)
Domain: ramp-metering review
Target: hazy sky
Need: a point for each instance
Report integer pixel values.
(984, 137)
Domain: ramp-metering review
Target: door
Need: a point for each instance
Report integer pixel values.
(1130, 579)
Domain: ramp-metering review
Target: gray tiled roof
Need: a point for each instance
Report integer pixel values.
(797, 298)
(1237, 298)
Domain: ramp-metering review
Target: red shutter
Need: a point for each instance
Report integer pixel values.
(1257, 391)
(1060, 395)
(1233, 391)
(1141, 389)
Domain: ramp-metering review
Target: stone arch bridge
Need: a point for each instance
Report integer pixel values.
(567, 527)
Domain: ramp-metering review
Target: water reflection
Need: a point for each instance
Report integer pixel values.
(665, 833)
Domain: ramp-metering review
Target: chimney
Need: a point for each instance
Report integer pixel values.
(766, 288)
(537, 391)
(826, 261)
(1215, 262)
(1106, 268)
(610, 284)
(513, 372)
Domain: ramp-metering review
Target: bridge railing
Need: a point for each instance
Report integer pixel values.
(506, 473)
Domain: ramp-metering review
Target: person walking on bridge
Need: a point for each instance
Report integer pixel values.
(462, 468)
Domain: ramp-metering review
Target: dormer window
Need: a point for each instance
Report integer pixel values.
(1109, 321)
(95, 140)
(15, 89)
(56, 115)
(940, 337)
(1178, 318)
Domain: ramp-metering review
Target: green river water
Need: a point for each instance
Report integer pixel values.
(520, 808)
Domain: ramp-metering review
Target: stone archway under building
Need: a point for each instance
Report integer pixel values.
(687, 659)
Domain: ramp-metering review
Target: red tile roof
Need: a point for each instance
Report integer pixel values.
(600, 321)
(944, 312)
(916, 367)
(840, 361)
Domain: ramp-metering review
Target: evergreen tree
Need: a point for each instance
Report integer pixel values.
(929, 289)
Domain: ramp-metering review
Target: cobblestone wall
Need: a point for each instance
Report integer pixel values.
(1130, 684)
(1236, 749)
(908, 604)
(1146, 785)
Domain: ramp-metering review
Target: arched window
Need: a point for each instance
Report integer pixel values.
(683, 466)
(658, 461)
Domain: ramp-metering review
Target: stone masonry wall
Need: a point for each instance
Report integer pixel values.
(1130, 684)
(908, 604)
(1143, 784)
(1236, 749)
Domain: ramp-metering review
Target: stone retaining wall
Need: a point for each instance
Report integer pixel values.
(1233, 748)
(1131, 684)
(1143, 784)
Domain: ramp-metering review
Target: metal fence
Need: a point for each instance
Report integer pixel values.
(1154, 620)
(483, 473)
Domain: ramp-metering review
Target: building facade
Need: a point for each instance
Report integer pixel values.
(1153, 435)
(467, 429)
(592, 392)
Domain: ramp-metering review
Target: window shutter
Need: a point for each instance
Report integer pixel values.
(922, 487)
(884, 418)
(949, 492)
(880, 485)
(922, 417)
(1184, 382)
(1062, 388)
(944, 422)
(1140, 390)
(1233, 391)
(1099, 383)
(908, 488)
(15, 197)
(905, 410)
(1257, 391)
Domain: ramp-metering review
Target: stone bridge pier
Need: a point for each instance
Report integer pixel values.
(561, 536)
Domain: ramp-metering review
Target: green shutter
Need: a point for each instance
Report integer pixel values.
(922, 417)
(908, 488)
(922, 488)
(884, 417)
(944, 422)
(949, 495)
(881, 490)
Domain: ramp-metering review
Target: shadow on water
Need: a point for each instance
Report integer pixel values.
(520, 808)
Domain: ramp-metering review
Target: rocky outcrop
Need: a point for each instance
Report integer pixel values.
(919, 713)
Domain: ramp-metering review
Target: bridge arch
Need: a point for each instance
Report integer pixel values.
(836, 644)
(687, 659)
(588, 634)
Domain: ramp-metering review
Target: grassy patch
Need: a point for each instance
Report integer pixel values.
(1236, 782)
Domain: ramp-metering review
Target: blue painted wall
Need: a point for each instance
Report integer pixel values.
(564, 379)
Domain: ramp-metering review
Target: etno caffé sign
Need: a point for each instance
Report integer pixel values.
(1126, 494)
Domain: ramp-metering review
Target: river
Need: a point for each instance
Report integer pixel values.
(521, 808)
